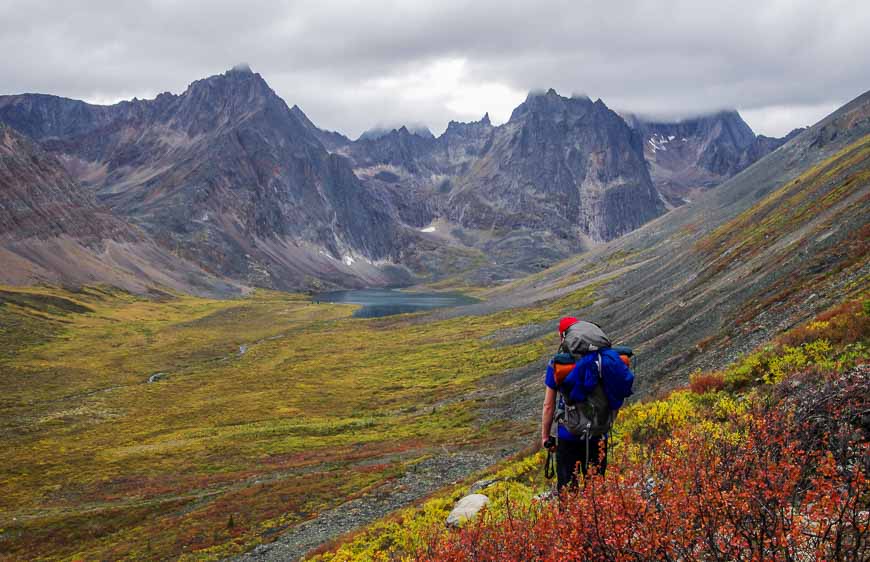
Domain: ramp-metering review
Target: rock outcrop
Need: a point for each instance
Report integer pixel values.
(567, 165)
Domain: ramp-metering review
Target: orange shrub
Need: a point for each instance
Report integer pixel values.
(701, 383)
(844, 324)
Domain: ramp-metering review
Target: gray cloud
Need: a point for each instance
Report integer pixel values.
(351, 65)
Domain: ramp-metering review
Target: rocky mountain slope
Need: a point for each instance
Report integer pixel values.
(41, 199)
(51, 229)
(226, 175)
(698, 153)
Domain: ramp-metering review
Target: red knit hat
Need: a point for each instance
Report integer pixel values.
(566, 323)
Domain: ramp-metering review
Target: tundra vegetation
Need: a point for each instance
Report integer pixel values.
(266, 410)
(767, 459)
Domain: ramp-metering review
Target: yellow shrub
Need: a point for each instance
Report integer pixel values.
(650, 420)
(792, 359)
(729, 407)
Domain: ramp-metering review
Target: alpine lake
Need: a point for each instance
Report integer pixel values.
(387, 302)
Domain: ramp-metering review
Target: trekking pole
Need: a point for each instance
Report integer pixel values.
(550, 463)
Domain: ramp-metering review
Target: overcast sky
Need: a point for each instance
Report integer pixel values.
(354, 65)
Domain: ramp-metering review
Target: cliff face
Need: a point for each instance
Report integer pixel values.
(568, 165)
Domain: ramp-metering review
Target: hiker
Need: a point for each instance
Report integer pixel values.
(587, 381)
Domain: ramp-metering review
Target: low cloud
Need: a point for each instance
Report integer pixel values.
(352, 65)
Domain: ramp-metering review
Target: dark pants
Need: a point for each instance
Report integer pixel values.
(571, 459)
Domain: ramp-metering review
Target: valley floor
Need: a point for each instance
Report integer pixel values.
(168, 425)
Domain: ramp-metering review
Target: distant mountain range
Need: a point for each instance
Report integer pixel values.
(227, 186)
(695, 154)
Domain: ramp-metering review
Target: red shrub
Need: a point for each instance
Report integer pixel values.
(706, 382)
(771, 495)
(846, 323)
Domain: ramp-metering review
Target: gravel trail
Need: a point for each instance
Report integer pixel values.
(421, 480)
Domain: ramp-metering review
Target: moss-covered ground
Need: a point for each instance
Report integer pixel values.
(269, 410)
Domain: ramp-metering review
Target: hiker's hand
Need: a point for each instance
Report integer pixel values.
(549, 443)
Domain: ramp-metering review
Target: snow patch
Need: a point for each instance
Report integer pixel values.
(658, 142)
(348, 260)
(322, 253)
(428, 229)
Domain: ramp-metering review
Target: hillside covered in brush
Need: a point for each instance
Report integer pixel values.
(766, 459)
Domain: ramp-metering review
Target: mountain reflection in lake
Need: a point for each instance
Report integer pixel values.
(385, 302)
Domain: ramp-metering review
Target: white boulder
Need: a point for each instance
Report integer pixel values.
(466, 509)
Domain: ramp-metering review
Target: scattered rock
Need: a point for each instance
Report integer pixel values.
(157, 377)
(545, 496)
(466, 508)
(419, 481)
(481, 484)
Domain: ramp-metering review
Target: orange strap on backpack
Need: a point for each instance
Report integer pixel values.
(561, 370)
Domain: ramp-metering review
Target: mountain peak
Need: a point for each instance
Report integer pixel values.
(540, 93)
(297, 111)
(552, 103)
(404, 130)
(239, 82)
(473, 127)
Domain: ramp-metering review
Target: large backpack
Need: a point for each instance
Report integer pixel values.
(597, 379)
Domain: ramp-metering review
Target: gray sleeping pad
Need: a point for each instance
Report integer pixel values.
(583, 337)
